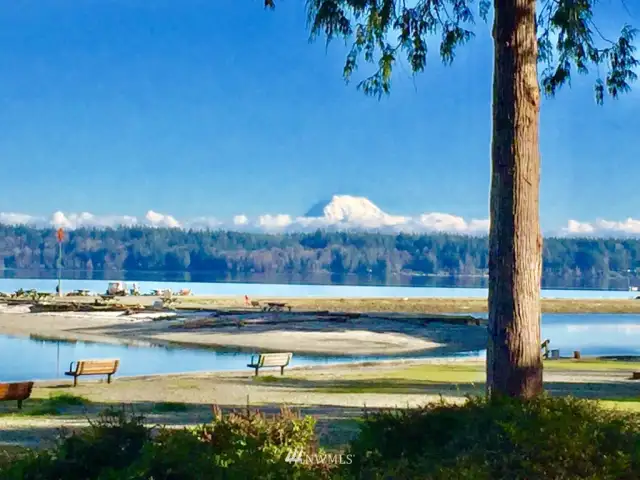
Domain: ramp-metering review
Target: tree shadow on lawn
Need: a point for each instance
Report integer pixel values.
(623, 391)
(38, 426)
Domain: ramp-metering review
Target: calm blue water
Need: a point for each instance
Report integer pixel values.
(281, 290)
(23, 358)
(594, 334)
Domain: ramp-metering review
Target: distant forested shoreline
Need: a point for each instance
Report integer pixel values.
(362, 254)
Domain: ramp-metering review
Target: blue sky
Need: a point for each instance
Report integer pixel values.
(217, 108)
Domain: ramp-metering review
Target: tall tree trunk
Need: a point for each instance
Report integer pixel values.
(514, 364)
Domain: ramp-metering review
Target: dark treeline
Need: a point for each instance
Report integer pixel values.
(342, 253)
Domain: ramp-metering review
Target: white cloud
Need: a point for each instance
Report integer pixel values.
(602, 228)
(85, 219)
(156, 219)
(10, 218)
(269, 222)
(578, 228)
(240, 220)
(342, 212)
(444, 222)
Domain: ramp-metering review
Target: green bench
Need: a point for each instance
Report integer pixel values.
(265, 360)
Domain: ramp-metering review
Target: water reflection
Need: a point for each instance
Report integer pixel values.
(593, 334)
(42, 357)
(596, 334)
(298, 290)
(559, 282)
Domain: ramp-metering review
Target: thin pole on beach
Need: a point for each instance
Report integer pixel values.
(59, 268)
(60, 235)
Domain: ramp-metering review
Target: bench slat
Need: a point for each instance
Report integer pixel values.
(93, 367)
(274, 361)
(271, 360)
(15, 391)
(96, 367)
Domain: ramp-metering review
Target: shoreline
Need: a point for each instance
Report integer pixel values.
(320, 369)
(427, 305)
(372, 305)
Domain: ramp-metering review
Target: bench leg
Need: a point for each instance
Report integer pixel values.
(257, 371)
(109, 378)
(281, 370)
(19, 404)
(75, 381)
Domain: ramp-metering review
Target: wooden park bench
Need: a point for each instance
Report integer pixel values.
(271, 360)
(15, 391)
(92, 367)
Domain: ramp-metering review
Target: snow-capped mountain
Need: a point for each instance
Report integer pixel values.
(355, 211)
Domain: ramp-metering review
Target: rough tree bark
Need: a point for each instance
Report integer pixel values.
(514, 364)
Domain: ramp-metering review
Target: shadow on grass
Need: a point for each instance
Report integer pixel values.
(69, 405)
(615, 390)
(56, 404)
(34, 427)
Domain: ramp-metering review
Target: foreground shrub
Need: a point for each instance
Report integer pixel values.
(547, 438)
(241, 445)
(112, 443)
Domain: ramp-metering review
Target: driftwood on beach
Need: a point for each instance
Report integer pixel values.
(245, 322)
(85, 307)
(239, 320)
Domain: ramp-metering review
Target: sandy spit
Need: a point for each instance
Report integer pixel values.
(368, 336)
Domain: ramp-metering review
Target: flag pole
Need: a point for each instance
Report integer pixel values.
(60, 235)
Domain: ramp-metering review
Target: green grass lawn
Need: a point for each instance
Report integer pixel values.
(629, 405)
(592, 364)
(471, 373)
(469, 378)
(56, 404)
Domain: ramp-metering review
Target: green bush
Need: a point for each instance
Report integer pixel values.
(112, 443)
(239, 446)
(547, 438)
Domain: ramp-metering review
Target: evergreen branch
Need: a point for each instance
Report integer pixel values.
(368, 25)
